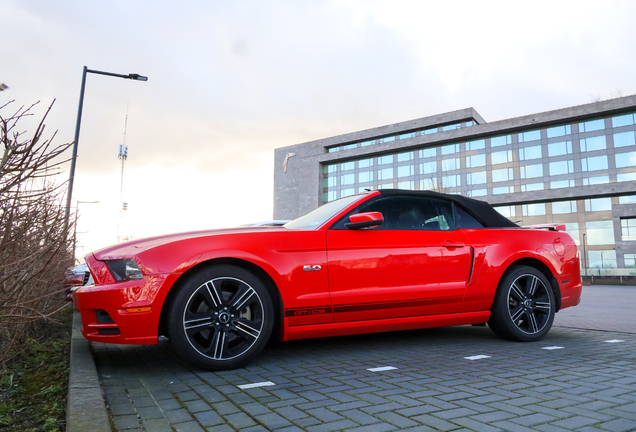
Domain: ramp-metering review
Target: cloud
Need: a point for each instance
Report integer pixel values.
(231, 81)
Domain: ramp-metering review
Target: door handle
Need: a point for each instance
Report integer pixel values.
(452, 244)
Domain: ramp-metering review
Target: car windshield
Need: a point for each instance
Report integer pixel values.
(322, 214)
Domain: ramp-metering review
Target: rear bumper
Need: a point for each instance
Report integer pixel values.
(571, 288)
(108, 311)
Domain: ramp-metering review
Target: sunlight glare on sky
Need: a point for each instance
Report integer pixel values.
(231, 81)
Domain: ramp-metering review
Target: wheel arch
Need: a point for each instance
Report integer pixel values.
(267, 280)
(543, 268)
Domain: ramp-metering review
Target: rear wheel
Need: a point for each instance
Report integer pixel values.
(524, 305)
(221, 318)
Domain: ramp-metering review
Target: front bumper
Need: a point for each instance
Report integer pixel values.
(118, 313)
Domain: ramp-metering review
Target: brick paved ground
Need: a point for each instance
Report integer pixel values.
(573, 380)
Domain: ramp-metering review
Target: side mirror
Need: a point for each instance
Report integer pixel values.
(365, 220)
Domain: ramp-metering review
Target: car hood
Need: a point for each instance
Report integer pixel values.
(134, 247)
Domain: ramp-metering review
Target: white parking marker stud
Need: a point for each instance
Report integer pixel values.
(254, 385)
(614, 341)
(477, 357)
(552, 348)
(381, 369)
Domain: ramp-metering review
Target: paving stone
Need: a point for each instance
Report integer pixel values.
(474, 425)
(188, 427)
(332, 426)
(619, 425)
(197, 405)
(221, 428)
(177, 416)
(434, 422)
(240, 420)
(453, 413)
(147, 413)
(185, 396)
(291, 413)
(508, 426)
(122, 409)
(521, 388)
(169, 404)
(307, 421)
(208, 418)
(575, 422)
(373, 409)
(157, 425)
(124, 422)
(324, 414)
(397, 420)
(272, 421)
(377, 427)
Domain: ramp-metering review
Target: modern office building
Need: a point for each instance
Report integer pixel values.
(575, 166)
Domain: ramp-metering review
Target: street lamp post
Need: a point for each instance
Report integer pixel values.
(75, 226)
(71, 177)
(584, 257)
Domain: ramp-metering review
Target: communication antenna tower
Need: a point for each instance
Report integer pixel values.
(123, 155)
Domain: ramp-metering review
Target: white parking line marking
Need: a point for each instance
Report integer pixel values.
(614, 341)
(552, 348)
(477, 357)
(253, 385)
(380, 369)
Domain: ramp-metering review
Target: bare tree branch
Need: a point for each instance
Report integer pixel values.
(35, 246)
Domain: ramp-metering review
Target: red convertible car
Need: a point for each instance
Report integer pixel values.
(373, 262)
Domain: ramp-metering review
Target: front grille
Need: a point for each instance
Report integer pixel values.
(108, 331)
(87, 274)
(103, 317)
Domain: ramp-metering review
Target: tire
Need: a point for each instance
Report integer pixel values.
(221, 318)
(524, 305)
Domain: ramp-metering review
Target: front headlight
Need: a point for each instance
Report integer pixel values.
(124, 270)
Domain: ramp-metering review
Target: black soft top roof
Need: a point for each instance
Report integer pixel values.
(481, 210)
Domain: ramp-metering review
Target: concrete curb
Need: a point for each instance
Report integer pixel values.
(85, 409)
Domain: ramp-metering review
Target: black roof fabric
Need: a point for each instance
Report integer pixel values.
(481, 210)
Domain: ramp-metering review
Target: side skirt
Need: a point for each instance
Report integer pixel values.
(383, 325)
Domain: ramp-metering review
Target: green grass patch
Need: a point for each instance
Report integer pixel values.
(34, 382)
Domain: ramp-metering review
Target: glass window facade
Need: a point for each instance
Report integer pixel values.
(592, 125)
(574, 155)
(500, 140)
(560, 148)
(624, 139)
(501, 157)
(599, 233)
(531, 171)
(593, 143)
(533, 209)
(563, 207)
(628, 229)
(561, 167)
(478, 160)
(558, 131)
(625, 160)
(623, 120)
(529, 136)
(527, 153)
(594, 163)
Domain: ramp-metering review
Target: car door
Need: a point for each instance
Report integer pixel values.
(414, 264)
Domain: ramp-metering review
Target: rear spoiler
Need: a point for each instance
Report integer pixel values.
(549, 227)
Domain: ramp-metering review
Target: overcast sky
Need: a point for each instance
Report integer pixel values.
(230, 81)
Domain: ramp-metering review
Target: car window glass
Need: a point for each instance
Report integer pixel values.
(464, 220)
(409, 213)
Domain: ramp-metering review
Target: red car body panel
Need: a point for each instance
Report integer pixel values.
(330, 282)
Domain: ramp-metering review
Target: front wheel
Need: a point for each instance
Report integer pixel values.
(221, 318)
(524, 305)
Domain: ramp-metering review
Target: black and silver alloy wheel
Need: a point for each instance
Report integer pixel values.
(524, 305)
(529, 304)
(221, 318)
